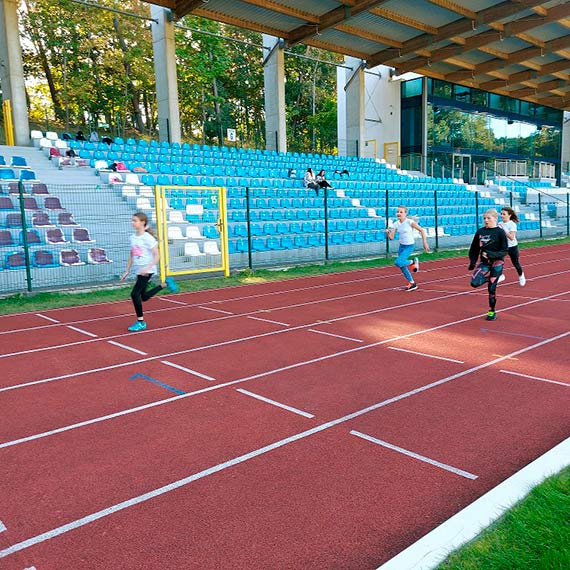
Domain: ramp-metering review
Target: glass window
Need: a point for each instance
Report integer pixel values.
(412, 88)
(442, 89)
(461, 93)
(478, 97)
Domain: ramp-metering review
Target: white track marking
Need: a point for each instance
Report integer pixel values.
(231, 316)
(2, 527)
(82, 331)
(43, 317)
(450, 468)
(256, 453)
(430, 550)
(300, 327)
(127, 347)
(269, 321)
(168, 300)
(282, 369)
(189, 370)
(424, 354)
(336, 335)
(215, 310)
(535, 378)
(274, 403)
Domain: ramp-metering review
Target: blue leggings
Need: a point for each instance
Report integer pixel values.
(402, 261)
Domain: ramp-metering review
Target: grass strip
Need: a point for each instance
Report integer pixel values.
(533, 535)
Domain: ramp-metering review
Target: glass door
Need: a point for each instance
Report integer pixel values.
(462, 167)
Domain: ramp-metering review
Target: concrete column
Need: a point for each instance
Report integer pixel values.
(274, 82)
(565, 144)
(12, 71)
(353, 87)
(164, 50)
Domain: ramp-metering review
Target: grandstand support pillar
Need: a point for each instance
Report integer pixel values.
(12, 71)
(351, 107)
(274, 83)
(164, 50)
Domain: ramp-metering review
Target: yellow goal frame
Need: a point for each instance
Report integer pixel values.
(161, 208)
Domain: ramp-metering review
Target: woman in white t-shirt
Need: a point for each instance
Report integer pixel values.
(405, 227)
(509, 221)
(143, 259)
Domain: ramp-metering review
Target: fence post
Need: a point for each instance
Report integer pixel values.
(248, 220)
(387, 212)
(540, 212)
(436, 223)
(476, 208)
(25, 236)
(326, 224)
(511, 198)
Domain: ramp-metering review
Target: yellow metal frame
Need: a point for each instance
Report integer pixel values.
(8, 124)
(162, 224)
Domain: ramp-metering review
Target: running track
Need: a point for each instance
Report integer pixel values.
(316, 423)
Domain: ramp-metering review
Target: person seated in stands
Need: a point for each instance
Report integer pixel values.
(118, 165)
(342, 172)
(71, 154)
(292, 173)
(309, 181)
(93, 137)
(322, 180)
(80, 136)
(107, 140)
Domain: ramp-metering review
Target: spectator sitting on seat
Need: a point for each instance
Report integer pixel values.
(118, 165)
(292, 173)
(309, 181)
(71, 154)
(322, 180)
(93, 137)
(80, 136)
(107, 140)
(341, 172)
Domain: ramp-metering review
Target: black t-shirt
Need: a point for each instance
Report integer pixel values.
(489, 241)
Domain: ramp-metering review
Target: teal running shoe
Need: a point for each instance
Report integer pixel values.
(138, 326)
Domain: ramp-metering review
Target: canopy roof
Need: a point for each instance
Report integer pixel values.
(519, 48)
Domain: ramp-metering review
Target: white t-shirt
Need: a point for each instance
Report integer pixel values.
(141, 251)
(405, 231)
(509, 227)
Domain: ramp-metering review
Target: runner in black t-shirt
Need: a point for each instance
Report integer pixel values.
(490, 246)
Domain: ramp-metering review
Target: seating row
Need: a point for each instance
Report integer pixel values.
(45, 258)
(52, 236)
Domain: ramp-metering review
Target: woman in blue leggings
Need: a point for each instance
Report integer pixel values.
(405, 228)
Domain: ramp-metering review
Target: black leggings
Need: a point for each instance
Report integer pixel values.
(139, 294)
(490, 275)
(514, 255)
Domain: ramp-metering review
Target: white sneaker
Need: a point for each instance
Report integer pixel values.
(522, 280)
(501, 278)
(416, 264)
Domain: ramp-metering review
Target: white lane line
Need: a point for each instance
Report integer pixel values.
(274, 403)
(430, 550)
(82, 331)
(450, 468)
(284, 307)
(424, 354)
(127, 347)
(215, 310)
(189, 370)
(168, 300)
(534, 378)
(221, 466)
(269, 321)
(43, 317)
(292, 367)
(335, 335)
(2, 527)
